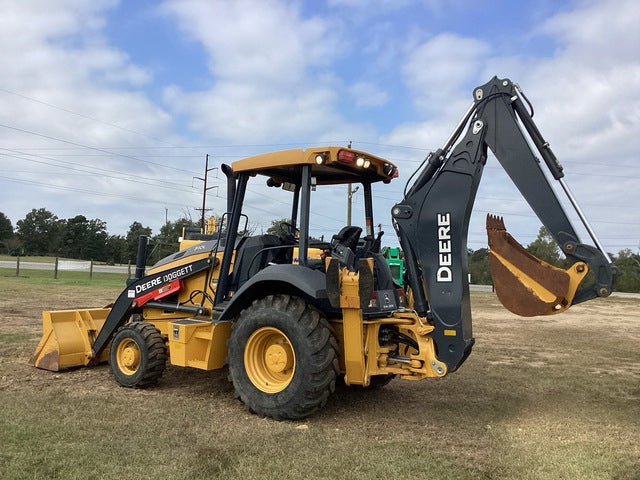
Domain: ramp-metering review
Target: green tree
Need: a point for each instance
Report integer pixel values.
(116, 249)
(6, 232)
(479, 266)
(135, 230)
(83, 238)
(545, 247)
(629, 265)
(39, 232)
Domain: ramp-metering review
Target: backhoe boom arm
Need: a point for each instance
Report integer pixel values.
(432, 220)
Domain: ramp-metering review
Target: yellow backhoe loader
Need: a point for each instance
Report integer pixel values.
(288, 323)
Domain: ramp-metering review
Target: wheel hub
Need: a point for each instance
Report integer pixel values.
(128, 356)
(269, 360)
(278, 357)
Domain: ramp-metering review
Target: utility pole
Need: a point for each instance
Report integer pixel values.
(350, 192)
(204, 191)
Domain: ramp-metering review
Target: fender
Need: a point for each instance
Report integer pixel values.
(297, 280)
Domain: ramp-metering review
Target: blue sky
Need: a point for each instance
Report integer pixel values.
(108, 107)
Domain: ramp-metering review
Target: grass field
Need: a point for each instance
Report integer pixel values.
(66, 277)
(542, 398)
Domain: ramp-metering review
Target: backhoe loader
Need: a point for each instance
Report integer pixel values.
(289, 324)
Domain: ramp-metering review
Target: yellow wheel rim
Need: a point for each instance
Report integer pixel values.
(128, 356)
(269, 360)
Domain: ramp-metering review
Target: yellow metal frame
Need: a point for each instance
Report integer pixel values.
(361, 355)
(197, 343)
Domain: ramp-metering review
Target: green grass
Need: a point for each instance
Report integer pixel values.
(541, 398)
(65, 277)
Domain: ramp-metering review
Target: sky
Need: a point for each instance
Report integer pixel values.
(108, 108)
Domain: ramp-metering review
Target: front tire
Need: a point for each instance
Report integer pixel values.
(138, 355)
(283, 359)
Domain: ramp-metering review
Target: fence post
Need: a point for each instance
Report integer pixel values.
(55, 269)
(91, 270)
(18, 266)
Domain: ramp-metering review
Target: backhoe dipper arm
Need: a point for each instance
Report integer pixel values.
(433, 219)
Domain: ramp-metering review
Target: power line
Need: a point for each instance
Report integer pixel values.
(89, 192)
(119, 127)
(94, 148)
(112, 155)
(101, 174)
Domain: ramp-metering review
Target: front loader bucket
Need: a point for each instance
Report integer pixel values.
(67, 337)
(526, 285)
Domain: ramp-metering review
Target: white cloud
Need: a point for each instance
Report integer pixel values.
(62, 82)
(600, 33)
(270, 80)
(244, 113)
(438, 71)
(262, 42)
(367, 94)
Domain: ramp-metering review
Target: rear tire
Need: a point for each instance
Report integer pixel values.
(138, 355)
(283, 359)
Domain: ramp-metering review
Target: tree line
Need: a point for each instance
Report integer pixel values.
(41, 232)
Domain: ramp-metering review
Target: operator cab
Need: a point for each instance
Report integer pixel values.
(301, 172)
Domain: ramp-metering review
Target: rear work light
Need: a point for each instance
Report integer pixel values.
(345, 156)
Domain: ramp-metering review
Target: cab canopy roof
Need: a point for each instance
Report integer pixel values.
(329, 166)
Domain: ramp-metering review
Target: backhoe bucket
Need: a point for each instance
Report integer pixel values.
(526, 285)
(67, 337)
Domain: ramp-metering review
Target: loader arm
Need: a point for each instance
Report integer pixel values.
(433, 219)
(130, 299)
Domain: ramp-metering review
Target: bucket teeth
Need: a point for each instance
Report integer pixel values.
(495, 223)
